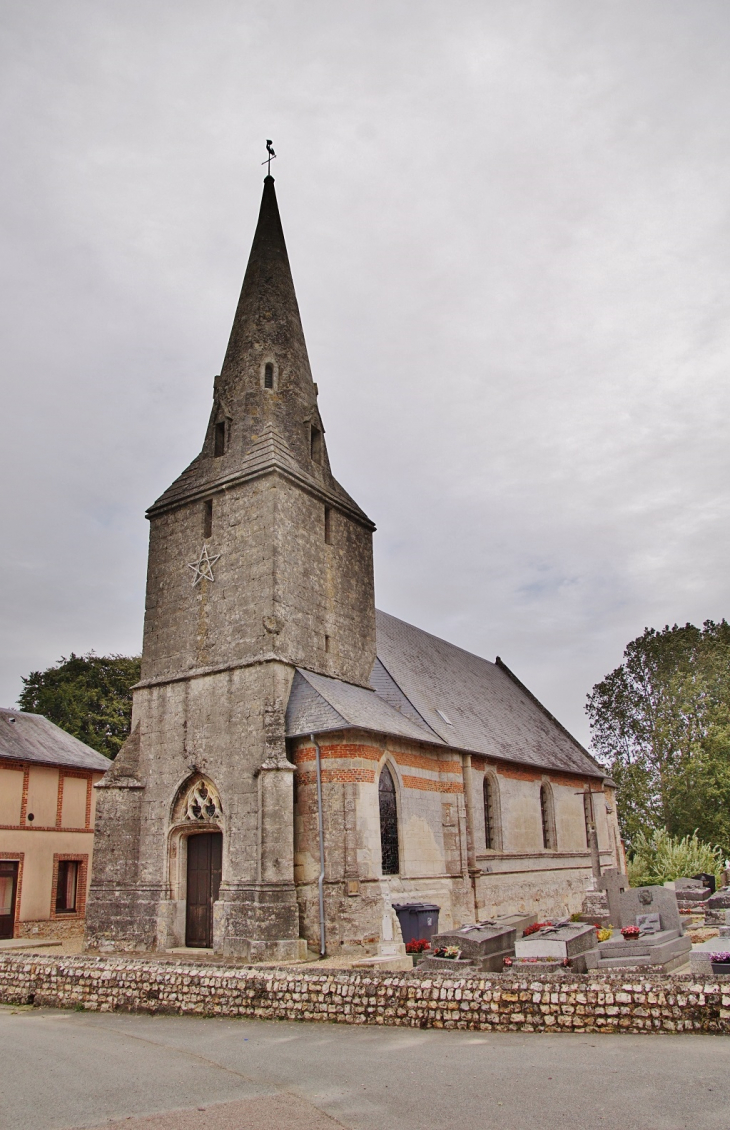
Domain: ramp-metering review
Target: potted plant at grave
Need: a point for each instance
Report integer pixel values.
(720, 962)
(630, 933)
(417, 948)
(450, 952)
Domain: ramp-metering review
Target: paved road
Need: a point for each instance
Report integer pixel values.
(76, 1069)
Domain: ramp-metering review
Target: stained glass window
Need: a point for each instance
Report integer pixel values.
(488, 814)
(388, 823)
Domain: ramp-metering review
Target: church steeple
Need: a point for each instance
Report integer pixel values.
(267, 320)
(289, 553)
(266, 377)
(264, 401)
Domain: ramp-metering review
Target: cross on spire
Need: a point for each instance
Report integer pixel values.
(270, 158)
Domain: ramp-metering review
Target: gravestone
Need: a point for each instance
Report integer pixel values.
(595, 909)
(662, 945)
(518, 922)
(565, 941)
(651, 900)
(483, 946)
(716, 906)
(613, 882)
(691, 893)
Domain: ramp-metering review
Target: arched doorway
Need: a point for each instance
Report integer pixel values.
(205, 851)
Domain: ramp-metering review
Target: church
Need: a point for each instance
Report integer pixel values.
(300, 762)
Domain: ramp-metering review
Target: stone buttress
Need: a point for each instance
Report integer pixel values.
(259, 563)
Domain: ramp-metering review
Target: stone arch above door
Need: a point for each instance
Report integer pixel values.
(198, 802)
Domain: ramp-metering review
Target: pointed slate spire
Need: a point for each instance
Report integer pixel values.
(265, 410)
(266, 375)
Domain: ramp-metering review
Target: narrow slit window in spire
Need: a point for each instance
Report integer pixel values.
(268, 375)
(315, 444)
(220, 439)
(208, 518)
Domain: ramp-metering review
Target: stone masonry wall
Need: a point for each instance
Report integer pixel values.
(560, 1002)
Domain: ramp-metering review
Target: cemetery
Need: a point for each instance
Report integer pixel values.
(634, 969)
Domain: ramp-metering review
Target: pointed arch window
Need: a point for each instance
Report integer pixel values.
(546, 815)
(488, 814)
(269, 375)
(388, 823)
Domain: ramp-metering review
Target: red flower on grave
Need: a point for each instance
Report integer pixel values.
(534, 928)
(418, 945)
(630, 932)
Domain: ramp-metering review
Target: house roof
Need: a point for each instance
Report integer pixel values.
(429, 690)
(31, 737)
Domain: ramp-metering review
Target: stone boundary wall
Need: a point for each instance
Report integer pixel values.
(559, 1002)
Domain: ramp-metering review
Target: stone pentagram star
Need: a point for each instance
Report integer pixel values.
(203, 567)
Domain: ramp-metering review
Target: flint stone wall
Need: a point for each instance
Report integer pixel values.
(493, 1002)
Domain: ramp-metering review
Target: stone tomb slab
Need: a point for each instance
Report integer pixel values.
(716, 906)
(481, 940)
(662, 944)
(567, 941)
(484, 945)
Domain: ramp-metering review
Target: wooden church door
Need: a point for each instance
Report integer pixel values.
(205, 852)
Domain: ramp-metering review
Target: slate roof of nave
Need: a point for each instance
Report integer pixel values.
(31, 737)
(417, 675)
(268, 452)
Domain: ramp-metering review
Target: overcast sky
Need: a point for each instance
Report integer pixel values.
(508, 226)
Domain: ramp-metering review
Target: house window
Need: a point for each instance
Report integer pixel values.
(388, 823)
(268, 375)
(548, 840)
(327, 526)
(208, 518)
(315, 444)
(219, 447)
(67, 886)
(488, 814)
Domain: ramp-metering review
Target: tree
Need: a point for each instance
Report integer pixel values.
(90, 696)
(660, 724)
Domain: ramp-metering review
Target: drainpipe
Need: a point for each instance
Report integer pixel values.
(471, 857)
(320, 823)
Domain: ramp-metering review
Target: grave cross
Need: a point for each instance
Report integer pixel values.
(613, 883)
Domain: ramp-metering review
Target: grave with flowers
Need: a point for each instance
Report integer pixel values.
(481, 947)
(550, 945)
(651, 934)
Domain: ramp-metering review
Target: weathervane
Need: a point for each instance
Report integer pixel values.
(270, 158)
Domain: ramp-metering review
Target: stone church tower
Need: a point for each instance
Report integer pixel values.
(259, 563)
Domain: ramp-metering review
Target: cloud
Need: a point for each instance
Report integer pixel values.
(508, 229)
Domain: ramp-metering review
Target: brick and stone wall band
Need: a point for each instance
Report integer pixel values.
(560, 1002)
